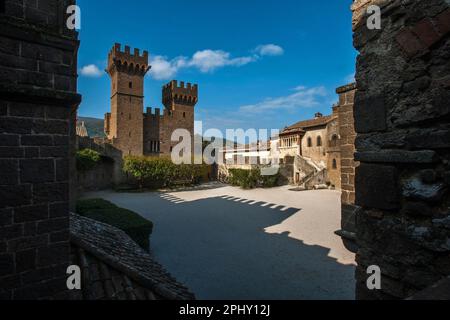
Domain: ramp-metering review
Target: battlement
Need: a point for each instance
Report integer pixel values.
(180, 93)
(149, 112)
(127, 61)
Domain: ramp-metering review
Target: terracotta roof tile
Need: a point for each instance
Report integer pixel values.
(115, 267)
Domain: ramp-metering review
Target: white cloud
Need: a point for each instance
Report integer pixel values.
(162, 69)
(207, 61)
(269, 50)
(91, 70)
(302, 98)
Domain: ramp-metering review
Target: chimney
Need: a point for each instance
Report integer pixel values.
(318, 115)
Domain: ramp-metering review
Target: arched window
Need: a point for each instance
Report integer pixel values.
(310, 142)
(130, 85)
(334, 141)
(184, 114)
(319, 141)
(334, 164)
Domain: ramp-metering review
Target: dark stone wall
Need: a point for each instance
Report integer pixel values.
(402, 120)
(38, 102)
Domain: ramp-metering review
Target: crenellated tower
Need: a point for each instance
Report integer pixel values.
(179, 100)
(124, 124)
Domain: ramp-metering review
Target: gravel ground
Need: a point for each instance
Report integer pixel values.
(228, 243)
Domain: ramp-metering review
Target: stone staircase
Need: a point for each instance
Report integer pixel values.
(313, 174)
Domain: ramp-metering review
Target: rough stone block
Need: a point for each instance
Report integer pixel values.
(11, 152)
(22, 244)
(10, 172)
(9, 140)
(53, 225)
(15, 125)
(12, 196)
(26, 110)
(60, 236)
(11, 232)
(41, 274)
(55, 152)
(31, 152)
(53, 254)
(37, 170)
(370, 113)
(51, 192)
(426, 139)
(62, 170)
(25, 260)
(31, 213)
(58, 210)
(425, 31)
(377, 187)
(6, 217)
(409, 42)
(6, 264)
(36, 140)
(41, 290)
(442, 22)
(397, 156)
(51, 127)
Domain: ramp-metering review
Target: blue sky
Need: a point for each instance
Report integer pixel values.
(258, 64)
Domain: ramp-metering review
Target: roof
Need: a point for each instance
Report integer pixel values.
(316, 122)
(115, 267)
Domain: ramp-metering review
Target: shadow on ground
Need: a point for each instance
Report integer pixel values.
(219, 248)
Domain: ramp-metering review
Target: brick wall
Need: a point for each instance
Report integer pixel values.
(402, 120)
(37, 111)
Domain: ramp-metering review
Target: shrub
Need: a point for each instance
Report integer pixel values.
(249, 179)
(162, 172)
(87, 159)
(135, 226)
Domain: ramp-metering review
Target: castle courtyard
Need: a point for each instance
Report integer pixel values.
(227, 243)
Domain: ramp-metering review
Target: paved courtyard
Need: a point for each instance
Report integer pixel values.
(228, 243)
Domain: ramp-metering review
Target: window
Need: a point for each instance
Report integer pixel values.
(309, 142)
(184, 114)
(129, 116)
(334, 141)
(130, 85)
(319, 141)
(334, 164)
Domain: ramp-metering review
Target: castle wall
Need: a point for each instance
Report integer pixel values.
(38, 102)
(152, 137)
(333, 152)
(127, 118)
(347, 136)
(402, 120)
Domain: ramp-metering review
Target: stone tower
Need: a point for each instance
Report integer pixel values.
(124, 125)
(179, 101)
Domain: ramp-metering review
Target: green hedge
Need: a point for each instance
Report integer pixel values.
(162, 172)
(138, 228)
(87, 159)
(250, 179)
